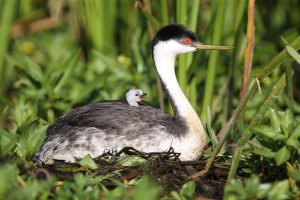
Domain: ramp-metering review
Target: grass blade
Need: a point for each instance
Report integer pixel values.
(8, 13)
(289, 82)
(7, 141)
(276, 61)
(192, 23)
(70, 66)
(293, 53)
(249, 49)
(164, 12)
(212, 64)
(209, 130)
(181, 13)
(273, 95)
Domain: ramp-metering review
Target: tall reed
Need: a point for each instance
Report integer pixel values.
(187, 13)
(7, 17)
(181, 18)
(100, 20)
(213, 59)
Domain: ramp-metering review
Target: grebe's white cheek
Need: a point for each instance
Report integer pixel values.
(172, 47)
(187, 49)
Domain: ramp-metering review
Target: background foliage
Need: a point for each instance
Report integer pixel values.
(59, 54)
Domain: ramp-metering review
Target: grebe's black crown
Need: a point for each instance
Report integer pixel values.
(173, 31)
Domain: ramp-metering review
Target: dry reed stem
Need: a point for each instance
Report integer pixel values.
(248, 54)
(249, 48)
(145, 6)
(35, 26)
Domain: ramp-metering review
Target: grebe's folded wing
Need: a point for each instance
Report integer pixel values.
(111, 114)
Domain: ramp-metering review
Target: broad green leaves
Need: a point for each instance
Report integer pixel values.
(294, 171)
(131, 161)
(188, 190)
(280, 139)
(27, 137)
(88, 162)
(267, 132)
(69, 66)
(254, 189)
(7, 141)
(31, 137)
(16, 186)
(282, 155)
(146, 189)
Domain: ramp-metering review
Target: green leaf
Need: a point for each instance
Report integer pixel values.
(255, 189)
(88, 89)
(131, 161)
(263, 190)
(286, 124)
(293, 143)
(175, 195)
(293, 53)
(294, 171)
(265, 152)
(280, 190)
(267, 132)
(8, 174)
(88, 162)
(296, 132)
(7, 141)
(70, 66)
(24, 113)
(235, 190)
(146, 190)
(34, 70)
(211, 133)
(188, 190)
(31, 138)
(282, 156)
(275, 118)
(117, 193)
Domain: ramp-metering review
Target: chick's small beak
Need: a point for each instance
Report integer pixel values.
(142, 97)
(200, 46)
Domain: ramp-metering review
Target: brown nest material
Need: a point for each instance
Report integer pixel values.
(165, 167)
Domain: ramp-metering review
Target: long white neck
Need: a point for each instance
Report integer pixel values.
(192, 141)
(165, 66)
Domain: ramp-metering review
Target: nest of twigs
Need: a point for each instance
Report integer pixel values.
(166, 167)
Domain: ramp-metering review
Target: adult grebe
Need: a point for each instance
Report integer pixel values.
(133, 96)
(97, 127)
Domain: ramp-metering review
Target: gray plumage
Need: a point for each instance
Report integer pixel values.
(108, 125)
(98, 127)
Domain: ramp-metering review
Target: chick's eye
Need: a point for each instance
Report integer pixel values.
(187, 40)
(136, 95)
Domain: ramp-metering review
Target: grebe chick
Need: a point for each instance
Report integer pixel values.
(133, 96)
(98, 127)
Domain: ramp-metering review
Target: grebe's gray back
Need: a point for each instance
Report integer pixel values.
(133, 96)
(97, 127)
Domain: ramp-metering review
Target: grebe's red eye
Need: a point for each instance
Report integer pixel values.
(187, 40)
